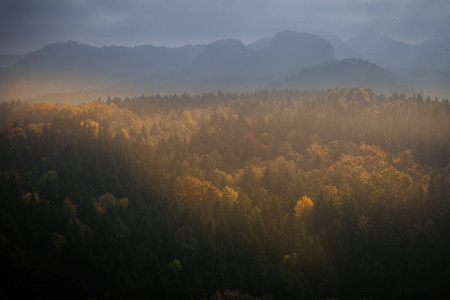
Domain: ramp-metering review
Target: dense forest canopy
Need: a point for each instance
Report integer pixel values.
(339, 193)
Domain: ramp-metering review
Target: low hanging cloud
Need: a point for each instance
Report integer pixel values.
(29, 24)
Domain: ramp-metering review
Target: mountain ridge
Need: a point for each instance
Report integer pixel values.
(349, 72)
(223, 64)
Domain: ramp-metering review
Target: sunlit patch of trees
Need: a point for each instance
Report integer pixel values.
(338, 193)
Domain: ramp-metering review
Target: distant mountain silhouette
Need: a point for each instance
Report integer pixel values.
(341, 49)
(377, 48)
(259, 44)
(71, 66)
(345, 73)
(307, 60)
(392, 54)
(289, 52)
(286, 53)
(75, 59)
(223, 58)
(7, 60)
(432, 54)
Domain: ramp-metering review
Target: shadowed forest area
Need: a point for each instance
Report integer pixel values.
(274, 194)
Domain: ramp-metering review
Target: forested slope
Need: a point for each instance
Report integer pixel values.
(274, 194)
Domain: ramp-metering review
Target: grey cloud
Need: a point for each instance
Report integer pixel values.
(29, 24)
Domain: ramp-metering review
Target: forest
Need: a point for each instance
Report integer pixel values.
(272, 194)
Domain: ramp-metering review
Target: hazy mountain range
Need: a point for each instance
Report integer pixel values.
(288, 59)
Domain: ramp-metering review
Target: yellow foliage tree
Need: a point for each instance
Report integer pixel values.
(304, 207)
(391, 189)
(360, 95)
(229, 194)
(190, 188)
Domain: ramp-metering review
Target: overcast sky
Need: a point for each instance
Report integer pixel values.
(27, 25)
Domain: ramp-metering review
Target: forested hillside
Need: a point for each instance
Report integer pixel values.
(346, 72)
(319, 194)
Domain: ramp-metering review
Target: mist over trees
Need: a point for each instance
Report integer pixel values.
(274, 194)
